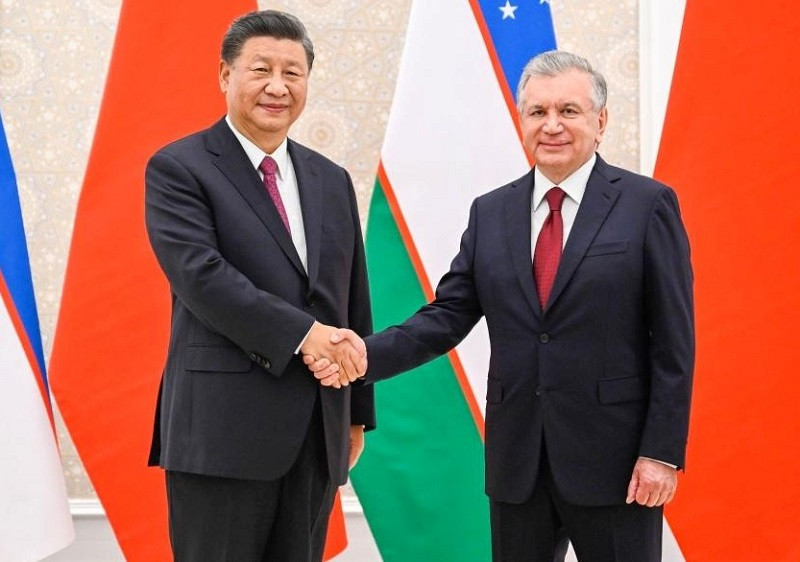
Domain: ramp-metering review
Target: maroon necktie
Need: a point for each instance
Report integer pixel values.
(547, 253)
(268, 167)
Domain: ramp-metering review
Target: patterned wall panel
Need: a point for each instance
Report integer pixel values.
(606, 33)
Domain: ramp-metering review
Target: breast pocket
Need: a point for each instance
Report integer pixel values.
(607, 248)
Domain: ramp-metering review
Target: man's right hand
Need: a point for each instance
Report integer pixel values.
(337, 357)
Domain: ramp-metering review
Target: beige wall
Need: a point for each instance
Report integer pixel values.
(54, 56)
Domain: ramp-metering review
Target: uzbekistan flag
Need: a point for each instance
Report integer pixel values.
(34, 515)
(452, 135)
(113, 326)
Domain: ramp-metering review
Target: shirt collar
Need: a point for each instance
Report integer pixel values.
(574, 185)
(256, 155)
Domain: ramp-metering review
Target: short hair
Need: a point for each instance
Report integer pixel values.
(555, 63)
(265, 23)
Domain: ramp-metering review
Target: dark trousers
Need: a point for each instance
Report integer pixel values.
(214, 519)
(539, 529)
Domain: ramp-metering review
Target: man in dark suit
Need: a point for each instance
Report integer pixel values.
(260, 240)
(582, 272)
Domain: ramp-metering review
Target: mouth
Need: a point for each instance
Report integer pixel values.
(273, 107)
(551, 145)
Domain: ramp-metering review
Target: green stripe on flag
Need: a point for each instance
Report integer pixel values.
(420, 479)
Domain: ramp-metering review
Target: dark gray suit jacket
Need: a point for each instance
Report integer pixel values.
(235, 401)
(605, 373)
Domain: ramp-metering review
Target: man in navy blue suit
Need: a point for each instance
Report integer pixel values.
(582, 271)
(261, 242)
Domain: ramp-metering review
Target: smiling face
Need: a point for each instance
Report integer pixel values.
(265, 89)
(560, 126)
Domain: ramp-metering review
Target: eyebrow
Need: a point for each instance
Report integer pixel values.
(569, 103)
(260, 58)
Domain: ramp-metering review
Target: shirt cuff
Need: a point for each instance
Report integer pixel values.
(661, 462)
(296, 351)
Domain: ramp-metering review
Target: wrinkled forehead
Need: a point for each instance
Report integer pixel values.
(570, 87)
(266, 48)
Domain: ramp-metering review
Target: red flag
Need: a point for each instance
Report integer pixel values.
(336, 541)
(730, 148)
(113, 326)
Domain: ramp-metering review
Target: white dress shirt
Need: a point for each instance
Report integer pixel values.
(287, 186)
(574, 186)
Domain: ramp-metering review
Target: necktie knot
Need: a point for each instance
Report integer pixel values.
(555, 197)
(268, 166)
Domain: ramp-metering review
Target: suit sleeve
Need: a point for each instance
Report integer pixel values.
(180, 225)
(437, 327)
(362, 404)
(670, 317)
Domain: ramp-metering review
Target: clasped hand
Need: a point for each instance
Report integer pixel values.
(336, 356)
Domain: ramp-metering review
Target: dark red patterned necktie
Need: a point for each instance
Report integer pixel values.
(547, 253)
(268, 167)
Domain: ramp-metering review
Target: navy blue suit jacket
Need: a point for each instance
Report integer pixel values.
(605, 372)
(235, 400)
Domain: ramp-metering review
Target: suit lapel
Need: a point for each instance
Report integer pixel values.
(598, 200)
(310, 187)
(230, 158)
(518, 221)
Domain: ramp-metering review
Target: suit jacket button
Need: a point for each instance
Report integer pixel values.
(538, 391)
(544, 338)
(253, 357)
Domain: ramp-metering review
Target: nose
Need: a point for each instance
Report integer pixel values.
(275, 85)
(552, 123)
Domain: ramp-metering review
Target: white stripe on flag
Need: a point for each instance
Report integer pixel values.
(34, 515)
(450, 138)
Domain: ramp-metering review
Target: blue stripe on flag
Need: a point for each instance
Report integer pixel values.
(14, 265)
(520, 30)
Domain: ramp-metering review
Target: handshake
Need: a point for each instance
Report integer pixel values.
(336, 356)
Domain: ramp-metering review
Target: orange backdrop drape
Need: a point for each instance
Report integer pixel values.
(731, 148)
(112, 331)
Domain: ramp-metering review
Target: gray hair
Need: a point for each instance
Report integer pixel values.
(555, 63)
(266, 23)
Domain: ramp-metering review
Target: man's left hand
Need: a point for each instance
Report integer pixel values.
(652, 483)
(356, 443)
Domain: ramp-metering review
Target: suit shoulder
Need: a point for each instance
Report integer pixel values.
(498, 194)
(635, 181)
(301, 152)
(188, 145)
(639, 191)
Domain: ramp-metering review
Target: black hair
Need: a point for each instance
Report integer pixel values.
(265, 23)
